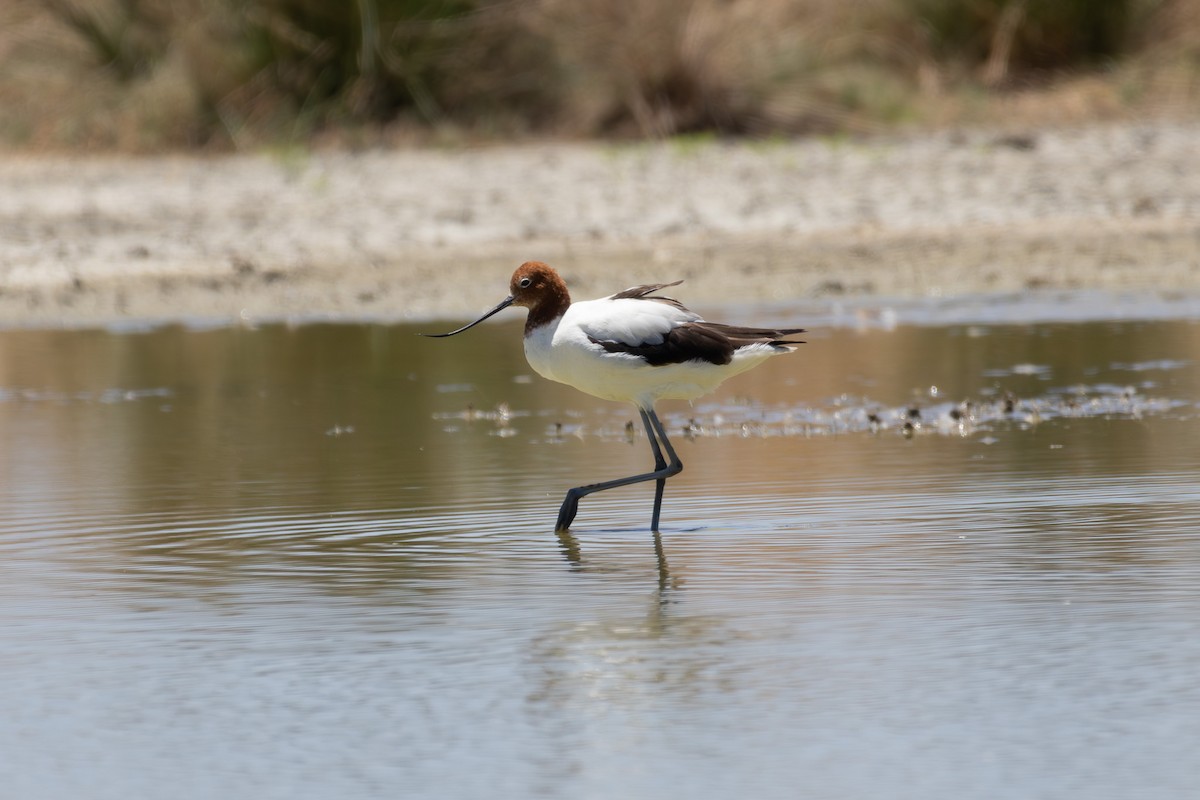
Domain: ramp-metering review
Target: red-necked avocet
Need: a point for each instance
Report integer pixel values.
(631, 346)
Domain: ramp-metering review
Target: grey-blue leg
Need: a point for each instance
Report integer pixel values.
(663, 469)
(673, 468)
(659, 464)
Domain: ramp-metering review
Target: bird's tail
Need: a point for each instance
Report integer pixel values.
(741, 336)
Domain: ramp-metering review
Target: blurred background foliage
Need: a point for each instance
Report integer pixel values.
(165, 74)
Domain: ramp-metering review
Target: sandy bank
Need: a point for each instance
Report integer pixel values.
(436, 233)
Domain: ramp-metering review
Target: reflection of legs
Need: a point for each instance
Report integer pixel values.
(570, 549)
(662, 471)
(664, 572)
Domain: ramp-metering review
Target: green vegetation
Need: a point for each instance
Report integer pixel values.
(150, 74)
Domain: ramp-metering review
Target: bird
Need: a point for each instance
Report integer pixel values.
(635, 346)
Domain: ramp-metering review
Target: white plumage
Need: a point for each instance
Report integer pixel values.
(565, 350)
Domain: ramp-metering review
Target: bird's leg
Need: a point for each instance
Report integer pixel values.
(662, 471)
(673, 468)
(659, 461)
(659, 464)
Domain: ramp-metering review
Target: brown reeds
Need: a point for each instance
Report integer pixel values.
(152, 74)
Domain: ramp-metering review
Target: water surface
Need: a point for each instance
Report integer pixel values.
(319, 561)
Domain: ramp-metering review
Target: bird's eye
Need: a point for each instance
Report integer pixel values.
(525, 283)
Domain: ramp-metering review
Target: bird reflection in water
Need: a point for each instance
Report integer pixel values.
(569, 545)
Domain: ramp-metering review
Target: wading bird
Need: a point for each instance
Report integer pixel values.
(633, 347)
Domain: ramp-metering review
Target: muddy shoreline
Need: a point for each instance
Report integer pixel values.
(421, 234)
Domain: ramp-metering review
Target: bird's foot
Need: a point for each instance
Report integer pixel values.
(566, 514)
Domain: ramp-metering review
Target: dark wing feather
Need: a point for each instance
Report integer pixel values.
(741, 336)
(635, 292)
(701, 341)
(640, 292)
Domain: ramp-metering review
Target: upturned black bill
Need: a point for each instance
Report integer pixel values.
(503, 305)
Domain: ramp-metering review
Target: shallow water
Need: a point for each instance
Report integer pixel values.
(318, 561)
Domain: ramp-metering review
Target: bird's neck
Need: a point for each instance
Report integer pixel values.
(550, 308)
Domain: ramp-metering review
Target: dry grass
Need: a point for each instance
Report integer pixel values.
(160, 74)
